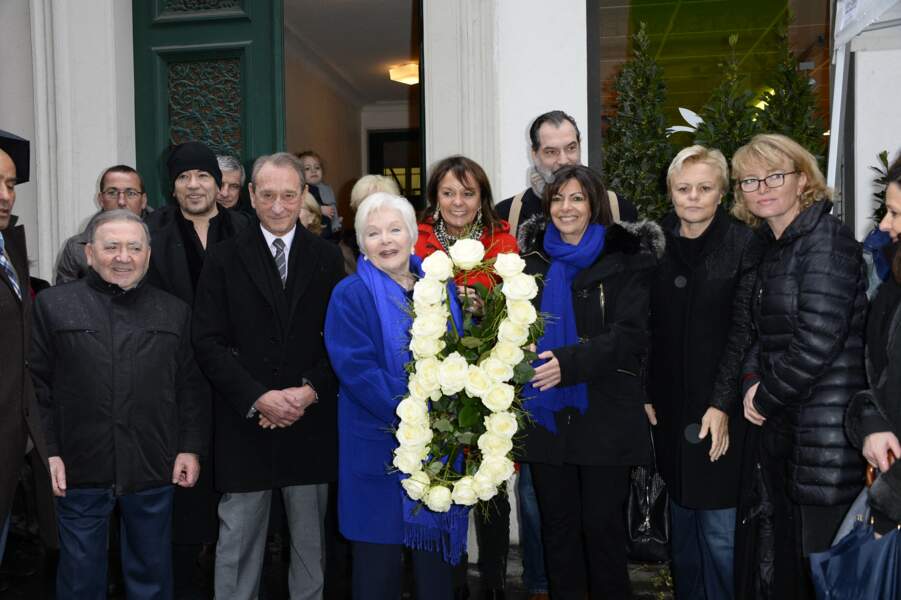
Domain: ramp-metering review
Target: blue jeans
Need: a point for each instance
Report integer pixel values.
(146, 539)
(534, 577)
(4, 532)
(703, 543)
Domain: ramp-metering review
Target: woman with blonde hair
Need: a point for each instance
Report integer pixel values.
(808, 307)
(699, 333)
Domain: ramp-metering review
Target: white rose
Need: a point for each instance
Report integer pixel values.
(412, 434)
(466, 254)
(497, 468)
(428, 291)
(427, 373)
(496, 369)
(521, 312)
(464, 493)
(502, 424)
(413, 411)
(416, 389)
(499, 397)
(431, 324)
(427, 310)
(492, 444)
(438, 498)
(408, 459)
(438, 265)
(520, 287)
(512, 332)
(452, 374)
(484, 486)
(477, 382)
(416, 484)
(508, 353)
(424, 347)
(507, 265)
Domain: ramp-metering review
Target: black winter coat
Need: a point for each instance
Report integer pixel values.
(252, 336)
(809, 307)
(700, 331)
(119, 392)
(879, 409)
(610, 302)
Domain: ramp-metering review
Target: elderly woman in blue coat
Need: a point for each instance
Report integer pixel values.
(367, 336)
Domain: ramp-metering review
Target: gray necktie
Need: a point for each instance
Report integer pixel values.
(8, 268)
(281, 261)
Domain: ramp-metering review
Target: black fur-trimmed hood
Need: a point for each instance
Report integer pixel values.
(625, 237)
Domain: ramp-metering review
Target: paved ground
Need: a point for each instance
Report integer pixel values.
(649, 581)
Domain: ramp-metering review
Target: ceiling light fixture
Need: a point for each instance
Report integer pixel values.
(408, 73)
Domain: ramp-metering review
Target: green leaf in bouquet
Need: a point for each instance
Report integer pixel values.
(468, 416)
(467, 438)
(481, 289)
(522, 373)
(529, 356)
(471, 342)
(443, 425)
(434, 467)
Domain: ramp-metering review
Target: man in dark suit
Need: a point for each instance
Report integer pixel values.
(20, 428)
(258, 320)
(181, 235)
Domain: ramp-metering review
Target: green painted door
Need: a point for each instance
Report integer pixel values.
(207, 70)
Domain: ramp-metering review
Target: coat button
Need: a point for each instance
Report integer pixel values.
(582, 294)
(681, 281)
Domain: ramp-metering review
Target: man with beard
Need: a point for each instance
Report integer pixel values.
(556, 142)
(181, 235)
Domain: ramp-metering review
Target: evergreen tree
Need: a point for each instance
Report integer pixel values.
(636, 150)
(729, 116)
(791, 106)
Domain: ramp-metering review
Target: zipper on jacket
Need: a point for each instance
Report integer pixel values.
(603, 307)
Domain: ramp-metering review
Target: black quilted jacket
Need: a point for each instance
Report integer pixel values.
(809, 308)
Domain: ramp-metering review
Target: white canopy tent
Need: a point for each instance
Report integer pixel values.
(880, 20)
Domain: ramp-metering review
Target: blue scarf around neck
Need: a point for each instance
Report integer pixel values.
(423, 529)
(560, 330)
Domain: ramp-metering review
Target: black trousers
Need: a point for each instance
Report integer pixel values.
(378, 573)
(583, 526)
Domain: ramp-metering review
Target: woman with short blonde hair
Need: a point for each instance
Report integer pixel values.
(809, 303)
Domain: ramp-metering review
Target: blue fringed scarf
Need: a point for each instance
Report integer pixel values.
(423, 529)
(557, 300)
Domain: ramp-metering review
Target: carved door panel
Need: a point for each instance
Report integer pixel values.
(207, 70)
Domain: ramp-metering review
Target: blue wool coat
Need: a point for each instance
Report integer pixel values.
(369, 496)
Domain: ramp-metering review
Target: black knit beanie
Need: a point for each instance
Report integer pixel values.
(193, 155)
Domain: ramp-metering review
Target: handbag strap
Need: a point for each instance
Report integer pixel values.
(515, 209)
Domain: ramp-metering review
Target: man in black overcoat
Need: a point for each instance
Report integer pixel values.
(258, 319)
(20, 429)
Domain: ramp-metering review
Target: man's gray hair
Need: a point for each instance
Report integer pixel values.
(279, 159)
(378, 201)
(113, 216)
(230, 163)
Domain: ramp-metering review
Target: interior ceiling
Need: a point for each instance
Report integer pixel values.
(356, 41)
(689, 40)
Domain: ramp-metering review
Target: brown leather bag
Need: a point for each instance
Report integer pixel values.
(871, 470)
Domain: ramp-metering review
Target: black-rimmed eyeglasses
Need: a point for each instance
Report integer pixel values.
(113, 194)
(752, 184)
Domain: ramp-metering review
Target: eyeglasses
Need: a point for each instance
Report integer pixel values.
(752, 184)
(113, 194)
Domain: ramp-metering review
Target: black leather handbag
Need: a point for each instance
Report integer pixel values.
(647, 514)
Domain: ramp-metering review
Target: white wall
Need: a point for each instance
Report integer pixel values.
(877, 124)
(489, 73)
(68, 86)
(17, 102)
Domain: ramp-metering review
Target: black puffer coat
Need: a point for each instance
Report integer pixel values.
(700, 331)
(120, 394)
(809, 308)
(610, 303)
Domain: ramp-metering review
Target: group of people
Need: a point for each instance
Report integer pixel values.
(199, 357)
